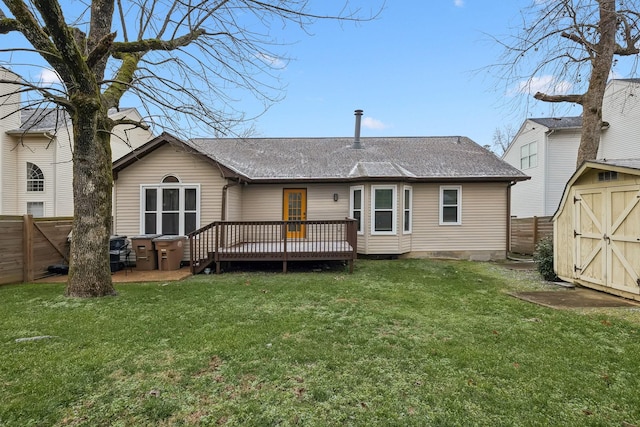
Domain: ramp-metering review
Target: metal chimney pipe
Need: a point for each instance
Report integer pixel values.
(356, 139)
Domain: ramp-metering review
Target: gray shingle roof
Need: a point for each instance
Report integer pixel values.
(334, 158)
(42, 119)
(560, 122)
(624, 163)
(46, 119)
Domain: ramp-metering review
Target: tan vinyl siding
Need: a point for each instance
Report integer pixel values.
(234, 203)
(484, 218)
(151, 170)
(264, 202)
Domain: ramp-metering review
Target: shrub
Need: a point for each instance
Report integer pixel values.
(543, 256)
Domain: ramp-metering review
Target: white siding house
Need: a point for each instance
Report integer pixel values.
(543, 149)
(36, 145)
(557, 141)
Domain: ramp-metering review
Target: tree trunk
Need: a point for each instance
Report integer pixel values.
(90, 275)
(602, 60)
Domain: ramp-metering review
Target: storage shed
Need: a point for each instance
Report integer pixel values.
(597, 228)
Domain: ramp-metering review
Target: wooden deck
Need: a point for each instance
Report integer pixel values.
(230, 241)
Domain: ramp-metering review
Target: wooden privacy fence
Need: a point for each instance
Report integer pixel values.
(29, 245)
(527, 232)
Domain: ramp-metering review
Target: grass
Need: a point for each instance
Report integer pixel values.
(407, 343)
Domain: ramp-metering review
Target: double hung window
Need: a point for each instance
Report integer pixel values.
(450, 205)
(383, 209)
(356, 205)
(529, 156)
(406, 210)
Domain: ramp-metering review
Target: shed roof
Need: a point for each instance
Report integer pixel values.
(630, 166)
(623, 163)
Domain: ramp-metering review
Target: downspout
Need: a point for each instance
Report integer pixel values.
(545, 184)
(223, 209)
(508, 239)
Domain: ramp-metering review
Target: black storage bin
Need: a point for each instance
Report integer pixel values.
(117, 247)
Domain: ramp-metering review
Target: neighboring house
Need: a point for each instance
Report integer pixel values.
(597, 228)
(416, 196)
(36, 154)
(546, 148)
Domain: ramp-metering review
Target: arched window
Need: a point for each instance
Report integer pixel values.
(35, 178)
(170, 178)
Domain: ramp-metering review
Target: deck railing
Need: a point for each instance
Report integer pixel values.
(284, 241)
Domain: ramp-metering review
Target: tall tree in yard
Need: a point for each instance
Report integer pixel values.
(570, 46)
(175, 57)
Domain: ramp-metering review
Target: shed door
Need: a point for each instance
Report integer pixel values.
(607, 242)
(623, 239)
(589, 229)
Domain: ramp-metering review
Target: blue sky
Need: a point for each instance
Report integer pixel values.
(415, 71)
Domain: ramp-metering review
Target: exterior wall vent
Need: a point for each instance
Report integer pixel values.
(607, 176)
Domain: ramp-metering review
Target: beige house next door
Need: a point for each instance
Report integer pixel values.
(295, 209)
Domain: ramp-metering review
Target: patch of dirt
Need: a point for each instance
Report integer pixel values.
(574, 298)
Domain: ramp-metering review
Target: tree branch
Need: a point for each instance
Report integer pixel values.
(144, 46)
(576, 99)
(8, 25)
(100, 50)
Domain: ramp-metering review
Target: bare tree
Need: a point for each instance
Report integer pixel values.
(573, 45)
(502, 137)
(177, 58)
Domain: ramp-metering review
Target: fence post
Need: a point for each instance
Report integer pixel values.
(27, 258)
(535, 232)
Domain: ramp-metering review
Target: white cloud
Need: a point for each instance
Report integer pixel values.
(272, 61)
(371, 123)
(546, 84)
(49, 77)
(458, 3)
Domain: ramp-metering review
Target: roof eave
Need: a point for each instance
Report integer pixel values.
(275, 180)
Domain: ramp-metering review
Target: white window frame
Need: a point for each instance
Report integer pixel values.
(181, 212)
(37, 183)
(407, 209)
(526, 156)
(394, 206)
(352, 209)
(458, 205)
(29, 209)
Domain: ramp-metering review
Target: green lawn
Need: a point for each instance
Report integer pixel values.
(411, 342)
